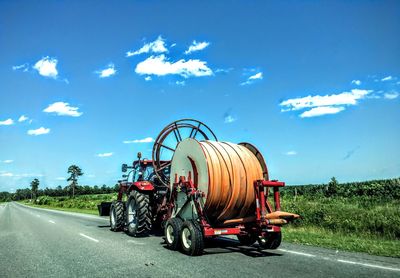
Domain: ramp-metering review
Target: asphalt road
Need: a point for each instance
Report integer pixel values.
(45, 243)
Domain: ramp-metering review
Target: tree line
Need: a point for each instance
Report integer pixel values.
(71, 190)
(385, 189)
(382, 189)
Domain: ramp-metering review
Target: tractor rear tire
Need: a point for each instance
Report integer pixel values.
(172, 232)
(248, 239)
(117, 216)
(138, 214)
(271, 241)
(192, 239)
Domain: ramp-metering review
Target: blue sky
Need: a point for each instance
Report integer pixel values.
(315, 85)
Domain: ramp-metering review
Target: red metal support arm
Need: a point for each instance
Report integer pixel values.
(273, 183)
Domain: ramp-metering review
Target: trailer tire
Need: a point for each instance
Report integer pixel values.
(172, 232)
(248, 239)
(138, 214)
(191, 238)
(117, 216)
(271, 241)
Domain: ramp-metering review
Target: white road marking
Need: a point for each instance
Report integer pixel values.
(37, 215)
(370, 265)
(52, 222)
(135, 242)
(342, 261)
(298, 253)
(88, 237)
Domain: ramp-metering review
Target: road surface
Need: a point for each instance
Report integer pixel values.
(45, 243)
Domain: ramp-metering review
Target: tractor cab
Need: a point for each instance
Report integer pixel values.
(143, 170)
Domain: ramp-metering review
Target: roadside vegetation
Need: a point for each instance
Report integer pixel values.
(81, 203)
(362, 216)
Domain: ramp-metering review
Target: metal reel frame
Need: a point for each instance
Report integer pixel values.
(173, 128)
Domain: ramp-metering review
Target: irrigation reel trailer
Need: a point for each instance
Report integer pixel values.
(195, 188)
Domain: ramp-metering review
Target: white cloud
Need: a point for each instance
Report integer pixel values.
(39, 131)
(60, 179)
(180, 83)
(345, 98)
(47, 67)
(159, 65)
(25, 175)
(196, 46)
(291, 153)
(90, 176)
(391, 95)
(229, 119)
(7, 161)
(373, 96)
(322, 110)
(144, 140)
(63, 109)
(251, 79)
(223, 70)
(23, 67)
(356, 82)
(157, 46)
(147, 78)
(108, 71)
(23, 118)
(387, 78)
(7, 122)
(326, 104)
(104, 154)
(18, 176)
(256, 76)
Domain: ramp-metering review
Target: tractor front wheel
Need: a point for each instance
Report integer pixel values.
(138, 214)
(116, 216)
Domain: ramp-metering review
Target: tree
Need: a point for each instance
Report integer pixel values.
(75, 172)
(34, 188)
(332, 187)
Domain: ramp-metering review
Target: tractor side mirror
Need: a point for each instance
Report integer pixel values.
(124, 168)
(139, 155)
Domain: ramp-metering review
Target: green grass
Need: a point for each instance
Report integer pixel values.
(358, 224)
(347, 242)
(78, 210)
(83, 203)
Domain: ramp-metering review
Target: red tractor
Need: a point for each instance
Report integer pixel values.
(149, 200)
(142, 203)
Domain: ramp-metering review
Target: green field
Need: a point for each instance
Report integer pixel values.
(362, 217)
(345, 224)
(82, 203)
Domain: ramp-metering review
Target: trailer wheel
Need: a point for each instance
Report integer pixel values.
(138, 214)
(116, 216)
(192, 238)
(248, 239)
(271, 241)
(172, 231)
